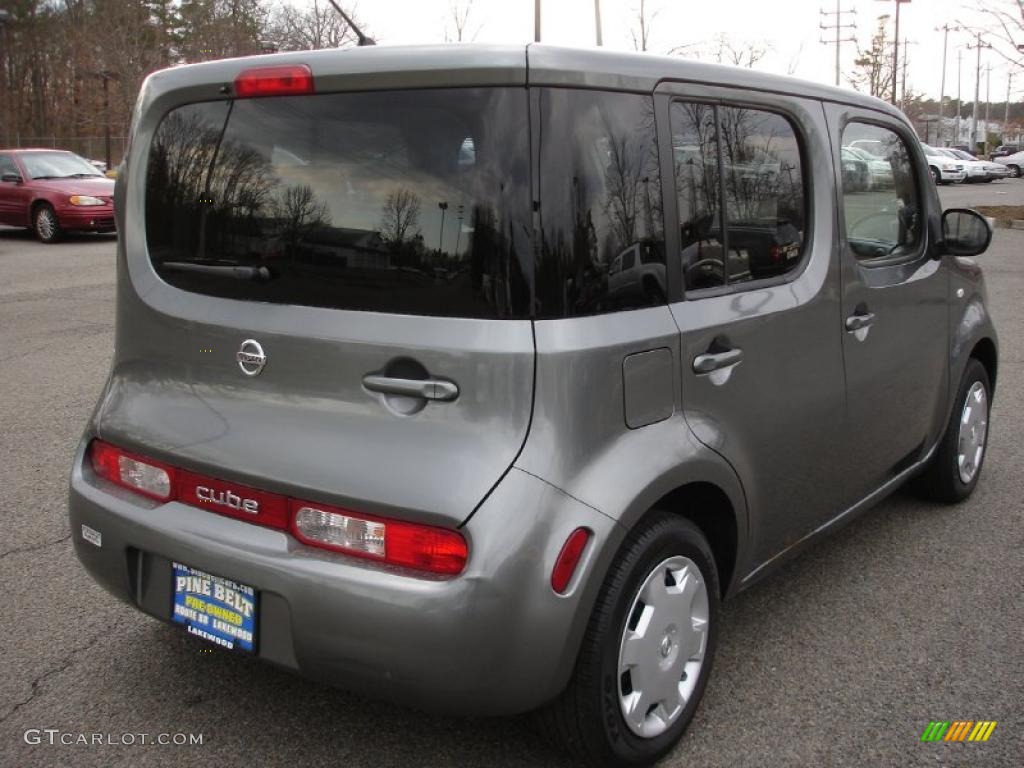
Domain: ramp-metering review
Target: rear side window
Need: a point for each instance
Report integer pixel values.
(742, 165)
(602, 239)
(408, 202)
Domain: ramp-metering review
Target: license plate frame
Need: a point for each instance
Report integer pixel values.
(215, 609)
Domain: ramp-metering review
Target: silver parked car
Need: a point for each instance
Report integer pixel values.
(477, 377)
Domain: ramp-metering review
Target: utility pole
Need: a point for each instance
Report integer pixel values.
(978, 45)
(597, 21)
(834, 21)
(1006, 114)
(536, 21)
(903, 76)
(988, 102)
(942, 88)
(959, 106)
(896, 49)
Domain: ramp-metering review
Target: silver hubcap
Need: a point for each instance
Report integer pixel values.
(973, 428)
(45, 223)
(663, 645)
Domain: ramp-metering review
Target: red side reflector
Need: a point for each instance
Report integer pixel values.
(568, 559)
(285, 80)
(233, 500)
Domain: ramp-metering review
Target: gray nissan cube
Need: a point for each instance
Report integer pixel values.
(476, 378)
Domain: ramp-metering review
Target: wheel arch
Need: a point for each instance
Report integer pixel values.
(709, 508)
(984, 351)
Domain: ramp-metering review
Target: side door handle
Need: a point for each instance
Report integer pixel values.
(427, 389)
(859, 321)
(710, 362)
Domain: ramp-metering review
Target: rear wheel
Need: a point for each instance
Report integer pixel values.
(647, 651)
(45, 224)
(954, 469)
(936, 176)
(1014, 171)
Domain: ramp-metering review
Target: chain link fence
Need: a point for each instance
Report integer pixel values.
(89, 147)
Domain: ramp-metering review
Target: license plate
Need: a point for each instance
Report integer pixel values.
(219, 610)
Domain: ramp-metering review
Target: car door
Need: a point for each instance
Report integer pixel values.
(762, 369)
(10, 193)
(894, 299)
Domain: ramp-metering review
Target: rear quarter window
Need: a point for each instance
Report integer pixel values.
(409, 202)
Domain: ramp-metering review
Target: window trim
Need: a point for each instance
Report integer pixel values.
(921, 250)
(807, 184)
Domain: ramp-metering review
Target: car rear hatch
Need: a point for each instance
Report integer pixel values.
(322, 294)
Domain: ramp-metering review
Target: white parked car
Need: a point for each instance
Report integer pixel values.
(1014, 163)
(879, 168)
(944, 169)
(974, 169)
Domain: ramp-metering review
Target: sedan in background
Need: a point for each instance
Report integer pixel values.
(1014, 163)
(943, 168)
(52, 192)
(978, 170)
(879, 168)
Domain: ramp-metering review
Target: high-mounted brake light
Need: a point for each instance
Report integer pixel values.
(142, 475)
(568, 559)
(284, 80)
(422, 547)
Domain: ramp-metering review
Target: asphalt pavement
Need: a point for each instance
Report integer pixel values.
(912, 613)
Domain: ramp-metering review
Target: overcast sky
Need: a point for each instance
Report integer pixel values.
(790, 27)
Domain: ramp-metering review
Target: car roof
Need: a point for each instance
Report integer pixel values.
(29, 150)
(478, 64)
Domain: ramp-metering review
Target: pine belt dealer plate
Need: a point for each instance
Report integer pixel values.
(216, 609)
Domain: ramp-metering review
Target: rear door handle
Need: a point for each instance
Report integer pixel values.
(427, 389)
(860, 321)
(715, 361)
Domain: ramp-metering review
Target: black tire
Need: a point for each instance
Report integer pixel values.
(1014, 171)
(45, 224)
(936, 176)
(941, 480)
(586, 720)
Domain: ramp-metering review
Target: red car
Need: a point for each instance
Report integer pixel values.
(52, 191)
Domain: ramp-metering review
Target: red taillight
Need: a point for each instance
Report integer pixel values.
(285, 80)
(136, 473)
(568, 559)
(422, 547)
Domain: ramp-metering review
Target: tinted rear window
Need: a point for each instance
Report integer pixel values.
(409, 202)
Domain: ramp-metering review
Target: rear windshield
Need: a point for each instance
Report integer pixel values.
(409, 202)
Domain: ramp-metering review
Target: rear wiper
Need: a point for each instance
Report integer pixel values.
(259, 274)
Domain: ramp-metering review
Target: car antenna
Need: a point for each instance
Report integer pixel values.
(363, 39)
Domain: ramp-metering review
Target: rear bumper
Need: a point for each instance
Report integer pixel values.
(87, 218)
(494, 640)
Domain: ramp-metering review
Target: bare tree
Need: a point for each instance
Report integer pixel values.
(741, 54)
(873, 64)
(310, 28)
(1005, 28)
(401, 217)
(641, 32)
(460, 11)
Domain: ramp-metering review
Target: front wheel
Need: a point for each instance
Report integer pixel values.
(647, 652)
(953, 472)
(45, 224)
(1014, 171)
(936, 176)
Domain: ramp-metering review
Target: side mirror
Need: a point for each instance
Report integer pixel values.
(965, 232)
(12, 177)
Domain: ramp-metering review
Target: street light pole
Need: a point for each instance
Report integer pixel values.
(536, 21)
(959, 104)
(896, 51)
(597, 21)
(942, 88)
(440, 237)
(1006, 114)
(977, 87)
